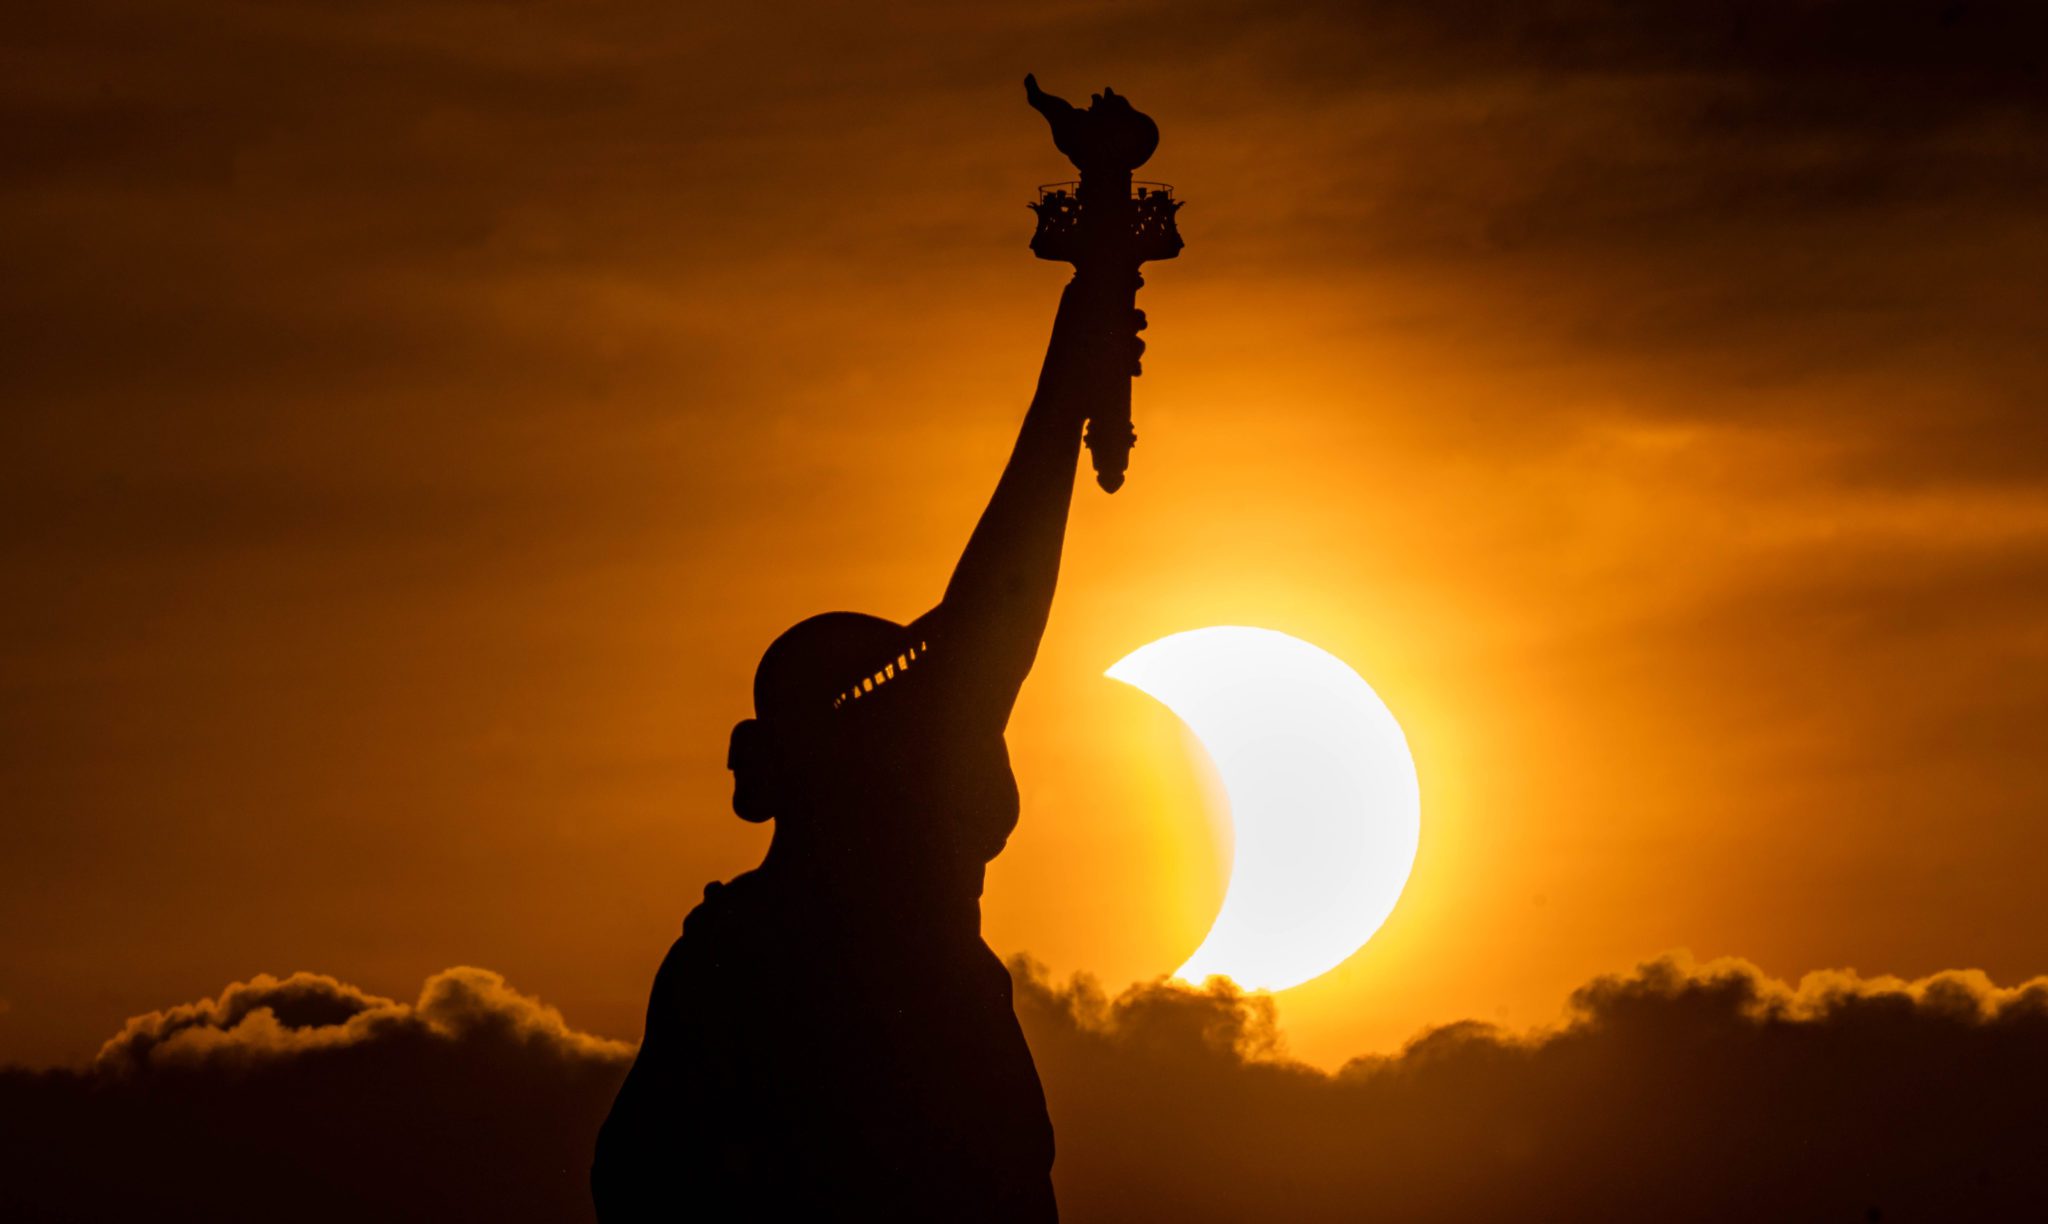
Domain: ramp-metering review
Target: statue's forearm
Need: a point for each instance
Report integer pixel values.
(1000, 597)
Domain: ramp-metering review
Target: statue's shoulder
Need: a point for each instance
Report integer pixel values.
(728, 907)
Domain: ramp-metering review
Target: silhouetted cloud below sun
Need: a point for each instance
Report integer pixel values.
(1679, 1091)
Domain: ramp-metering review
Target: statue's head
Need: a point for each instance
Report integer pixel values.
(800, 728)
(1111, 136)
(848, 744)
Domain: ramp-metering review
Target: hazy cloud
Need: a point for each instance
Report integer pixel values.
(307, 1096)
(1678, 1091)
(268, 1019)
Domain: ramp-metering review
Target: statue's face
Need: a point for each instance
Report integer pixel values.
(911, 790)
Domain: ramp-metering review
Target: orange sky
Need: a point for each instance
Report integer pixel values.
(421, 417)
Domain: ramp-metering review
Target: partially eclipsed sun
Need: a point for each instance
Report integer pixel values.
(1324, 806)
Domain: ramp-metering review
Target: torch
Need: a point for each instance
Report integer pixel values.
(1107, 225)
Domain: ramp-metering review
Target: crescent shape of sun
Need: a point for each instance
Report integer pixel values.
(1325, 809)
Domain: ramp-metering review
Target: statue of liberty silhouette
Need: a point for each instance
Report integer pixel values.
(830, 1038)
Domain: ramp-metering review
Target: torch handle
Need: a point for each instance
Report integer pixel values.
(1108, 263)
(1110, 435)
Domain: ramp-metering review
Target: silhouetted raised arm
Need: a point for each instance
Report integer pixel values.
(996, 606)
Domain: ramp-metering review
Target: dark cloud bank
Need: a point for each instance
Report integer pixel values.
(1676, 1092)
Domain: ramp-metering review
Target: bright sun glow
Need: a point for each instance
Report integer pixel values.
(1324, 806)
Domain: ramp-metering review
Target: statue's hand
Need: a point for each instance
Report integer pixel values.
(1110, 135)
(1095, 349)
